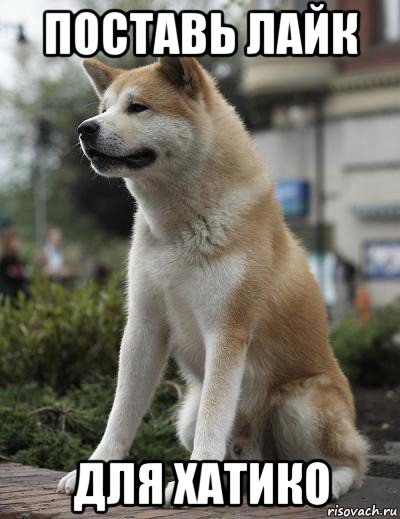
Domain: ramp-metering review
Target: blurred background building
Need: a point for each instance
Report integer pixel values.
(329, 129)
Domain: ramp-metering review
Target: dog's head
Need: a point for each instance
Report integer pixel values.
(152, 119)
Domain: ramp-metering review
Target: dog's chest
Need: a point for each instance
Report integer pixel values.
(196, 295)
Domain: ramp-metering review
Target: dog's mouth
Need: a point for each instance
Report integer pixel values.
(141, 159)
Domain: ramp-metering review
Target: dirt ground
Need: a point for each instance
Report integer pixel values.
(378, 413)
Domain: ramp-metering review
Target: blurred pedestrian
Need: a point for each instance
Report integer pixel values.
(54, 261)
(346, 284)
(346, 272)
(13, 277)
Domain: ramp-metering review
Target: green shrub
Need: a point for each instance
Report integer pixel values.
(39, 428)
(58, 367)
(369, 352)
(61, 337)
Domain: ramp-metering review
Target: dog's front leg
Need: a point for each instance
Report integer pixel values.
(225, 361)
(142, 357)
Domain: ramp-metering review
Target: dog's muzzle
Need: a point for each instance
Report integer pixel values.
(88, 133)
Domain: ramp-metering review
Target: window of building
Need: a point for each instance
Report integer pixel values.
(389, 15)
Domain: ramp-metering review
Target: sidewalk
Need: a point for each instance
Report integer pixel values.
(29, 493)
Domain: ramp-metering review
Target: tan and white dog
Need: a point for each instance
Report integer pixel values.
(217, 280)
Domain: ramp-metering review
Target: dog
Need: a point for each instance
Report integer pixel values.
(215, 279)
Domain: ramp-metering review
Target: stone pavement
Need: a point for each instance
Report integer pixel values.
(29, 493)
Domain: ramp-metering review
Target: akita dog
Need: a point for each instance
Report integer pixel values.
(217, 280)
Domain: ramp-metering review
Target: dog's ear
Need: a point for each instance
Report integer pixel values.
(101, 76)
(183, 72)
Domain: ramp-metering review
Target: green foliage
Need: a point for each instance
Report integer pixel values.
(58, 365)
(61, 337)
(43, 429)
(369, 353)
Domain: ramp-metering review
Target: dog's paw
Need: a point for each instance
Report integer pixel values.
(335, 493)
(342, 481)
(168, 494)
(67, 483)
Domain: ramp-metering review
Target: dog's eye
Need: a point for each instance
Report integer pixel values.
(135, 108)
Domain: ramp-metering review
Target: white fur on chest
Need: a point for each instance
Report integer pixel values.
(195, 296)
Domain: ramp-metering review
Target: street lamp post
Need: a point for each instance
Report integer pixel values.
(18, 28)
(21, 38)
(41, 137)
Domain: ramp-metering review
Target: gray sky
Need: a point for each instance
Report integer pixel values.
(29, 13)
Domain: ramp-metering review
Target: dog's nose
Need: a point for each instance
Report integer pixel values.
(88, 129)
